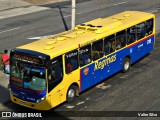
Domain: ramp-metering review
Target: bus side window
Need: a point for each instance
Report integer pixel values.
(55, 72)
(71, 61)
(149, 27)
(109, 44)
(97, 49)
(131, 35)
(140, 29)
(121, 39)
(85, 55)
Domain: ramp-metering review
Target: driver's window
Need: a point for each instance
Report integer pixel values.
(55, 72)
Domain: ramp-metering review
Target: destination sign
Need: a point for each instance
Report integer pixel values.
(29, 59)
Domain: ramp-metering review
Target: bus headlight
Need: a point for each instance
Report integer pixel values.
(40, 100)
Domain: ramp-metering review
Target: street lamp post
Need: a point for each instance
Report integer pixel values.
(73, 13)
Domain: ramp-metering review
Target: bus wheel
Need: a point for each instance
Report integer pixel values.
(126, 65)
(71, 94)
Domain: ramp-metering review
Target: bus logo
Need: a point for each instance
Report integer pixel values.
(86, 70)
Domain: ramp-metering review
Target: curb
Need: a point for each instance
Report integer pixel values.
(29, 5)
(25, 6)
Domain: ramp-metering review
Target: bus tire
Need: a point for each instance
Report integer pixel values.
(71, 94)
(126, 65)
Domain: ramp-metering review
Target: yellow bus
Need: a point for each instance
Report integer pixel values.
(50, 71)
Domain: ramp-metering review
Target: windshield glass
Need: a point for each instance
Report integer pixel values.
(27, 76)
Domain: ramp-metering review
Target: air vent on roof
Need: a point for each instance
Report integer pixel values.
(90, 25)
(49, 47)
(99, 26)
(80, 32)
(128, 15)
(122, 17)
(107, 27)
(70, 36)
(61, 38)
(80, 28)
(92, 29)
(51, 42)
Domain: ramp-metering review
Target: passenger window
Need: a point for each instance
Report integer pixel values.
(149, 27)
(120, 39)
(140, 29)
(109, 44)
(131, 35)
(71, 61)
(85, 55)
(97, 49)
(55, 72)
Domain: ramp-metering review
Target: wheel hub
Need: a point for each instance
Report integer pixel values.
(71, 93)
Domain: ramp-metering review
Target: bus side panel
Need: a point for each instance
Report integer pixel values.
(134, 53)
(98, 71)
(91, 75)
(87, 77)
(148, 45)
(120, 59)
(107, 66)
(142, 48)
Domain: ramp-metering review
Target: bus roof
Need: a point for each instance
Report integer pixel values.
(85, 33)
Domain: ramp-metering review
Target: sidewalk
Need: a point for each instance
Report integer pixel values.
(11, 4)
(4, 92)
(11, 8)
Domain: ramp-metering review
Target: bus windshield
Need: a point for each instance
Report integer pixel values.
(27, 76)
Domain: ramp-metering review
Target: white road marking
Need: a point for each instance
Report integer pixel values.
(84, 12)
(80, 103)
(103, 86)
(76, 14)
(124, 76)
(138, 70)
(40, 37)
(82, 109)
(79, 13)
(120, 3)
(87, 98)
(10, 30)
(67, 16)
(70, 107)
(100, 85)
(108, 86)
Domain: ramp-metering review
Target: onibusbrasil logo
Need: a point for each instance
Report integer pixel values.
(20, 115)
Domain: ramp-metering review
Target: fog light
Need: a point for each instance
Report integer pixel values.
(40, 100)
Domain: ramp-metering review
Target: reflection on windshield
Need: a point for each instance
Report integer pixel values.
(27, 76)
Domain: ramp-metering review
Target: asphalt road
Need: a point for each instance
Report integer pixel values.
(137, 90)
(15, 31)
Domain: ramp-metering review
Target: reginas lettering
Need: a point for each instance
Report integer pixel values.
(103, 63)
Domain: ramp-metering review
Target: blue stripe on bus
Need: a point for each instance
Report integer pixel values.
(104, 69)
